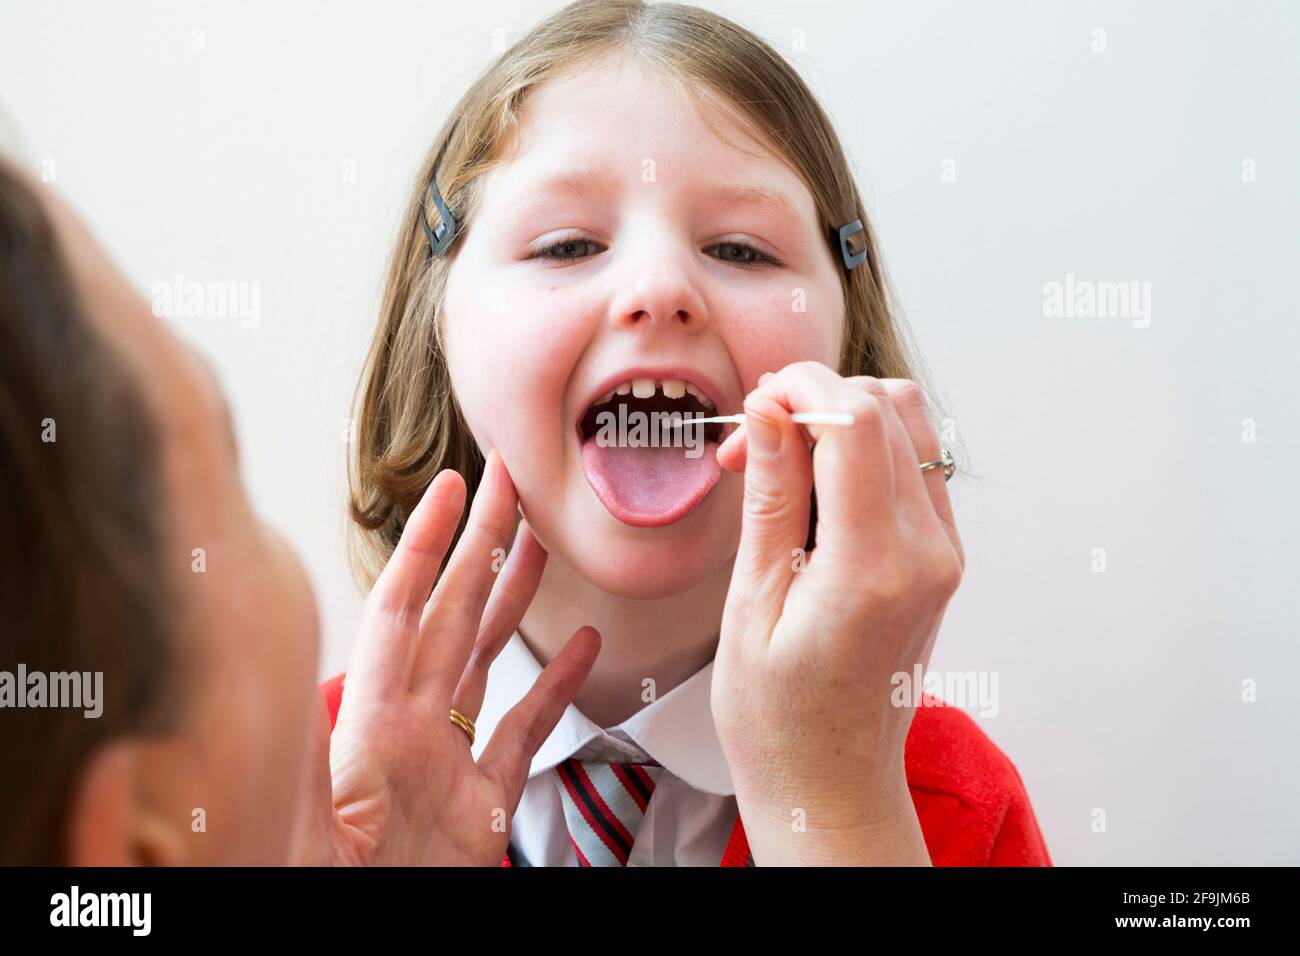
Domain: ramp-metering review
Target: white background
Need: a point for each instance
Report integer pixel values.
(1118, 690)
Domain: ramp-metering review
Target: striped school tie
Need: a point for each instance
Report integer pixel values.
(604, 804)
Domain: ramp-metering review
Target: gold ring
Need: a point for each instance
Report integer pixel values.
(947, 461)
(464, 723)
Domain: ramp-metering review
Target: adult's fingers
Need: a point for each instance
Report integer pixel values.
(909, 402)
(525, 727)
(731, 453)
(404, 585)
(310, 844)
(514, 590)
(451, 623)
(853, 465)
(774, 520)
(384, 652)
(734, 451)
(909, 481)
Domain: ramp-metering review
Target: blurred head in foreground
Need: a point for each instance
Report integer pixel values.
(158, 642)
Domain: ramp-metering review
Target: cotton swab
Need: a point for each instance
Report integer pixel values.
(802, 418)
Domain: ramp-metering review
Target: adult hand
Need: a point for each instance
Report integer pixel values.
(802, 679)
(396, 783)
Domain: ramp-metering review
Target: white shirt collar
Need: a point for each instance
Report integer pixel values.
(677, 729)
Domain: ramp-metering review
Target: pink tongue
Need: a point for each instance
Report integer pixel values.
(648, 482)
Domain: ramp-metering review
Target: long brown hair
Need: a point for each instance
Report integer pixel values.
(409, 426)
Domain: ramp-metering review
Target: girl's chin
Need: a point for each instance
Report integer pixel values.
(643, 583)
(656, 562)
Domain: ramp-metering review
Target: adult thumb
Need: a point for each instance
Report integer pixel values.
(310, 843)
(774, 523)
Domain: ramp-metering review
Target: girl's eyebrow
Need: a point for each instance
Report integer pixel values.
(735, 193)
(537, 194)
(719, 189)
(577, 184)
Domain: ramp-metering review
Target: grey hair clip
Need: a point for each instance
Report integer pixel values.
(440, 238)
(847, 231)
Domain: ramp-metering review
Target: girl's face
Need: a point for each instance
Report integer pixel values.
(624, 240)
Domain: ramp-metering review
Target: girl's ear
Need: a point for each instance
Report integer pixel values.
(100, 808)
(108, 823)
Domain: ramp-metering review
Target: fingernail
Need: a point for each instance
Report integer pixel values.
(764, 377)
(763, 435)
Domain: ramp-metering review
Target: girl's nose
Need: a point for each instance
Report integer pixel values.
(659, 288)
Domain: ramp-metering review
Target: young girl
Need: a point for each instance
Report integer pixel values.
(645, 206)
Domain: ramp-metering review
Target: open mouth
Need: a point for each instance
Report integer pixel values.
(644, 471)
(655, 400)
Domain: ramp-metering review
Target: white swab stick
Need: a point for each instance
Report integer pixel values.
(802, 418)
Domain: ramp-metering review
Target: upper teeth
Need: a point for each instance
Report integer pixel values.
(645, 388)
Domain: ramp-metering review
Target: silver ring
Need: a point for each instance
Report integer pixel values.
(947, 461)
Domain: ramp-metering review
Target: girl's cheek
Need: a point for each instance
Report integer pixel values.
(783, 324)
(553, 326)
(512, 362)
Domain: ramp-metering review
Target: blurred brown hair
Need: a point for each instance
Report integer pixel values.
(81, 582)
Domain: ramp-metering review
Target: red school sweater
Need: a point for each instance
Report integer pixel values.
(969, 798)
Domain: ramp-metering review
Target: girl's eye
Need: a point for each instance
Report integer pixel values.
(565, 247)
(737, 253)
(747, 254)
